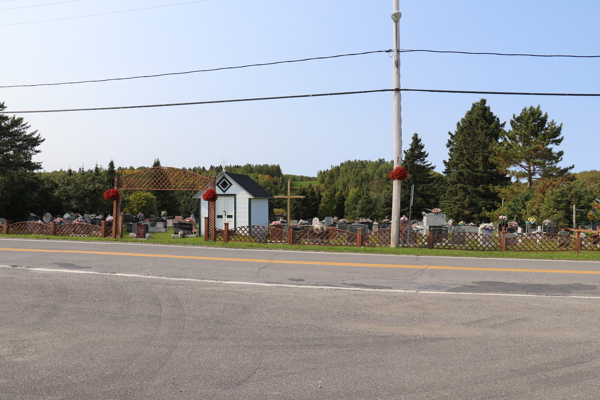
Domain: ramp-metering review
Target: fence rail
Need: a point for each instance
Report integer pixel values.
(51, 229)
(531, 242)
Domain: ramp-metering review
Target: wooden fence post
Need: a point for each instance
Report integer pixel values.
(290, 235)
(226, 232)
(577, 242)
(102, 229)
(5, 227)
(121, 225)
(358, 237)
(429, 239)
(52, 228)
(502, 241)
(206, 227)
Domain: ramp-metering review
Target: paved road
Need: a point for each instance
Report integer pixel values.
(135, 321)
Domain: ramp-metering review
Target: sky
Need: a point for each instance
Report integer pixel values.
(303, 136)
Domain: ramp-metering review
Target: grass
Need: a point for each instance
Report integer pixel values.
(165, 238)
(296, 185)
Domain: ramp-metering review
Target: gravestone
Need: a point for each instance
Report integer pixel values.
(328, 222)
(316, 223)
(434, 219)
(127, 218)
(440, 233)
(551, 228)
(342, 225)
(2, 221)
(47, 218)
(510, 239)
(294, 222)
(140, 231)
(354, 227)
(564, 238)
(185, 227)
(169, 223)
(385, 225)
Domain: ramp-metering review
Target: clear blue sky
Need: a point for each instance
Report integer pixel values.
(303, 135)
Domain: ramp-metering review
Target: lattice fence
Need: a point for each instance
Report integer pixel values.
(591, 242)
(466, 241)
(79, 230)
(165, 178)
(324, 237)
(254, 234)
(29, 228)
(540, 242)
(383, 237)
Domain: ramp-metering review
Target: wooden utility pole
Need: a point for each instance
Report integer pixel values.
(397, 123)
(289, 198)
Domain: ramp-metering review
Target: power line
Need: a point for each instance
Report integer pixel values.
(304, 96)
(39, 5)
(106, 13)
(498, 54)
(503, 93)
(197, 70)
(299, 96)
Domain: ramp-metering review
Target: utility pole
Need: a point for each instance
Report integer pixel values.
(397, 121)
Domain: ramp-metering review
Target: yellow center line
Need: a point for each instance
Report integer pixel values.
(344, 264)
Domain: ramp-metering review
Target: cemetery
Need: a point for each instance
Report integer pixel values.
(234, 208)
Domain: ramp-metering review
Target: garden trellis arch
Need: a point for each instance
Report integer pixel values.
(161, 178)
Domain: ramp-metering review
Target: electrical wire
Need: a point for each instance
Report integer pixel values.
(106, 13)
(304, 96)
(299, 96)
(497, 54)
(39, 5)
(197, 70)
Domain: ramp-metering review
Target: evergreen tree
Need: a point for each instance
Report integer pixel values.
(366, 207)
(110, 174)
(420, 175)
(471, 175)
(340, 201)
(525, 151)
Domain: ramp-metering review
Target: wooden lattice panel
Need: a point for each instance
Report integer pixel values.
(325, 237)
(590, 243)
(29, 228)
(540, 242)
(211, 220)
(79, 230)
(165, 178)
(466, 241)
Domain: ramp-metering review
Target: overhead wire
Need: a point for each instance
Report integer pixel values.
(197, 70)
(477, 53)
(303, 96)
(39, 5)
(99, 14)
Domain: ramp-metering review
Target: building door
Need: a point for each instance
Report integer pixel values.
(225, 211)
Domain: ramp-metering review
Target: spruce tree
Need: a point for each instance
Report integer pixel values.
(524, 151)
(419, 174)
(471, 175)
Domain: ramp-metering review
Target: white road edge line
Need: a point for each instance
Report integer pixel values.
(285, 285)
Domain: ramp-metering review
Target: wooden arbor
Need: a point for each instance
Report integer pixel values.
(159, 178)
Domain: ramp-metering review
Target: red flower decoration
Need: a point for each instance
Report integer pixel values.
(398, 174)
(111, 194)
(210, 195)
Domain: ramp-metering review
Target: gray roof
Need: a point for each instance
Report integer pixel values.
(253, 188)
(246, 183)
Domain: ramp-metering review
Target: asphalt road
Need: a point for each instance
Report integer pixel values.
(136, 321)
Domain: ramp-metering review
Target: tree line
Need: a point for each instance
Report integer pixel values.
(490, 171)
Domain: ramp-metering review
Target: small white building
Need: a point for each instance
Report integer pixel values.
(241, 202)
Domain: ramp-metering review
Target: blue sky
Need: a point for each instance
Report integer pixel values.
(302, 135)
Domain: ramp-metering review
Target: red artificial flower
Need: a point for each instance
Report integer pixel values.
(111, 194)
(210, 195)
(398, 174)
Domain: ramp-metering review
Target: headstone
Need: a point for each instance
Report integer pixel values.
(564, 238)
(434, 219)
(140, 232)
(354, 227)
(440, 233)
(88, 218)
(127, 218)
(178, 218)
(294, 222)
(186, 227)
(342, 225)
(2, 221)
(169, 223)
(47, 218)
(315, 222)
(328, 222)
(552, 228)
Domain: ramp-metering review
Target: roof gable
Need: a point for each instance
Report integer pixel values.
(246, 183)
